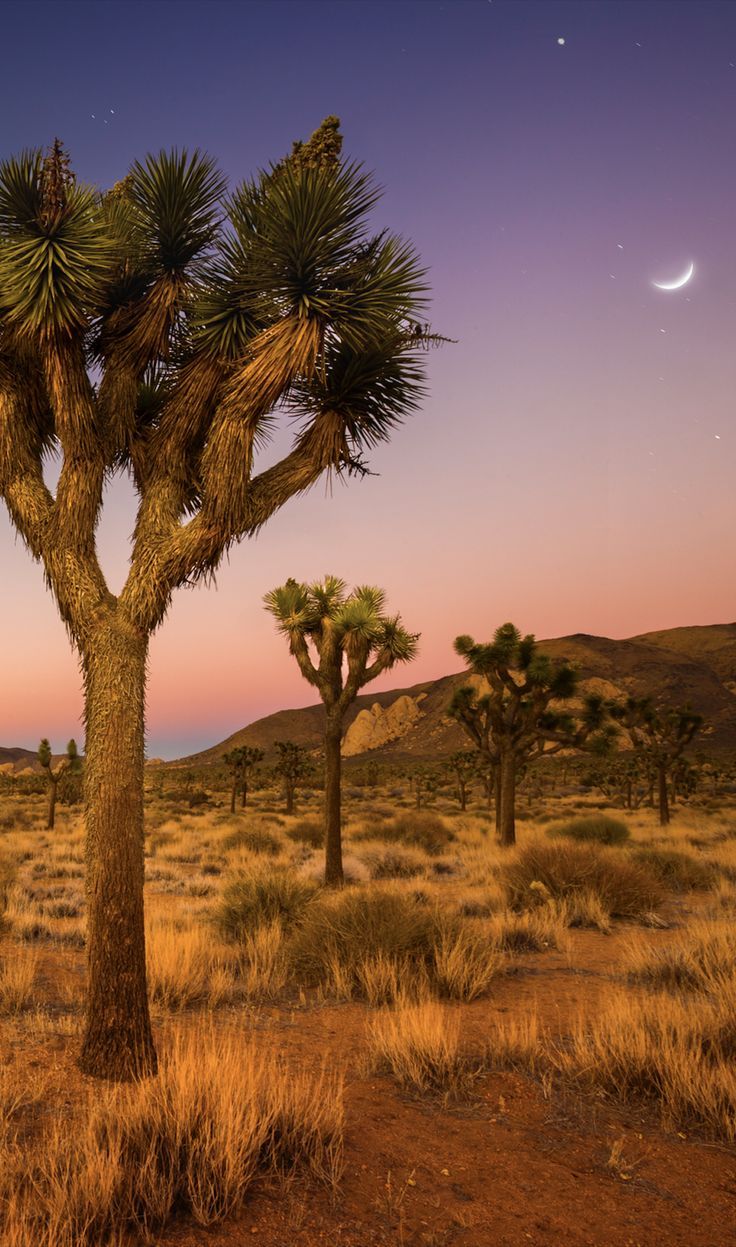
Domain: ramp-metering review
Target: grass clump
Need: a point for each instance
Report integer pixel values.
(703, 959)
(596, 829)
(673, 1052)
(416, 827)
(381, 943)
(541, 872)
(394, 862)
(260, 896)
(254, 839)
(309, 831)
(680, 872)
(192, 1140)
(419, 1044)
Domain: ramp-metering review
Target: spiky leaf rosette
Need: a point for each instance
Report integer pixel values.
(55, 251)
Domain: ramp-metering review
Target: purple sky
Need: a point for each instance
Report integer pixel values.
(573, 467)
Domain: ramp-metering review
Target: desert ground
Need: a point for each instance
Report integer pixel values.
(466, 1045)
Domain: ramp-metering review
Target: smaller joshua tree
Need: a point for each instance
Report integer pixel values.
(353, 641)
(293, 765)
(68, 763)
(464, 768)
(519, 709)
(240, 762)
(659, 738)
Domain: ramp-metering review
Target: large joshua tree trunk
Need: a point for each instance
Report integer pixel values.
(117, 1042)
(334, 876)
(506, 807)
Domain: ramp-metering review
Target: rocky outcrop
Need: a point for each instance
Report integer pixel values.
(376, 727)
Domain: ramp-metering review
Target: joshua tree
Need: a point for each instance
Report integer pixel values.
(292, 765)
(155, 331)
(514, 719)
(659, 738)
(463, 765)
(69, 763)
(240, 762)
(353, 641)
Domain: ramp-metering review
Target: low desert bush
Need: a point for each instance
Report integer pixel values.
(347, 940)
(259, 896)
(192, 1140)
(540, 872)
(680, 872)
(419, 1044)
(597, 828)
(532, 931)
(255, 839)
(309, 831)
(394, 862)
(425, 830)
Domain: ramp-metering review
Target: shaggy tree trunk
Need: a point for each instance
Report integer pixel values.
(233, 795)
(463, 795)
(244, 798)
(664, 806)
(117, 1041)
(53, 786)
(506, 811)
(334, 876)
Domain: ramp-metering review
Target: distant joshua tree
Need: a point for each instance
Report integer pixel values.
(201, 313)
(353, 641)
(517, 718)
(660, 738)
(70, 762)
(240, 763)
(292, 765)
(463, 766)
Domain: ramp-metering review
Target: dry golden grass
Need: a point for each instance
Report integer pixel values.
(703, 958)
(193, 1139)
(186, 966)
(419, 1044)
(540, 871)
(677, 1053)
(17, 976)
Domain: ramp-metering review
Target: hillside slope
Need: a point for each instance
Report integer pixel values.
(696, 665)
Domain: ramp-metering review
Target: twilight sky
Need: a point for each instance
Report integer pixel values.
(573, 466)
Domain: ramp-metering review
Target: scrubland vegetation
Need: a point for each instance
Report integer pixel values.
(421, 960)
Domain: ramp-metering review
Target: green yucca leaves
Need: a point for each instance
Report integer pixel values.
(178, 199)
(53, 267)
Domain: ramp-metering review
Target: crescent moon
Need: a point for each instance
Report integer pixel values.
(675, 285)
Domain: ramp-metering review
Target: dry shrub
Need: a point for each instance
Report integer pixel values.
(382, 937)
(539, 872)
(597, 828)
(702, 959)
(17, 976)
(309, 831)
(192, 1140)
(425, 830)
(394, 862)
(680, 872)
(673, 1052)
(346, 928)
(420, 1045)
(262, 895)
(254, 839)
